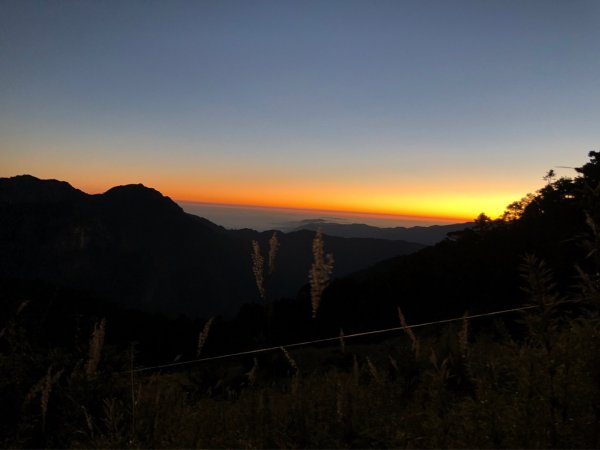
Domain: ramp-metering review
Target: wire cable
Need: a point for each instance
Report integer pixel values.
(330, 339)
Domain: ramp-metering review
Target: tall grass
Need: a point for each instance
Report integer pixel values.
(258, 268)
(258, 263)
(320, 271)
(95, 352)
(203, 336)
(531, 388)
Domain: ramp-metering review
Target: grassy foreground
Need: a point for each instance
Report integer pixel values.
(533, 383)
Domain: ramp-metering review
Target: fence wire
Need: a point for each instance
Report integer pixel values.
(329, 339)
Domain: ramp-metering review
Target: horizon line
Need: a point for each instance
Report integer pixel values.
(347, 212)
(326, 210)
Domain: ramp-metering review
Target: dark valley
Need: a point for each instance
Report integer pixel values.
(133, 246)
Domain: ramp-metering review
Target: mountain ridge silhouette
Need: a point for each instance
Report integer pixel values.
(426, 235)
(137, 247)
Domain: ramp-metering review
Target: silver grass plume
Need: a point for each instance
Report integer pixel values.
(290, 360)
(463, 336)
(96, 343)
(273, 249)
(342, 341)
(408, 330)
(203, 336)
(251, 374)
(44, 388)
(319, 272)
(258, 267)
(374, 372)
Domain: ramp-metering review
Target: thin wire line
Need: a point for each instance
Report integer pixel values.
(317, 341)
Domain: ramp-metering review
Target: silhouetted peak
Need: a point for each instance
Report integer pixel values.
(29, 189)
(138, 196)
(133, 191)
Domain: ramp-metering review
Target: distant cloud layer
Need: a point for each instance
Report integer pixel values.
(257, 218)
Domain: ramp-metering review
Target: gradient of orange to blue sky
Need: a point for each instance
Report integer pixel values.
(441, 109)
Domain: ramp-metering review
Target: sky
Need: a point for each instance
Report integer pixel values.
(424, 109)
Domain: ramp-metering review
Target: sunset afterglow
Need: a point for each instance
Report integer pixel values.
(434, 109)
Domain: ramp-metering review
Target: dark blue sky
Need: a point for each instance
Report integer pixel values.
(369, 104)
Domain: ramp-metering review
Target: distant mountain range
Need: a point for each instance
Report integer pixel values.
(138, 248)
(429, 235)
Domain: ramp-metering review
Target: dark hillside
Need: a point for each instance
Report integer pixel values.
(428, 235)
(135, 247)
(476, 269)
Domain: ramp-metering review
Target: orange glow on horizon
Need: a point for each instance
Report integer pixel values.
(345, 212)
(447, 208)
(445, 202)
(431, 203)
